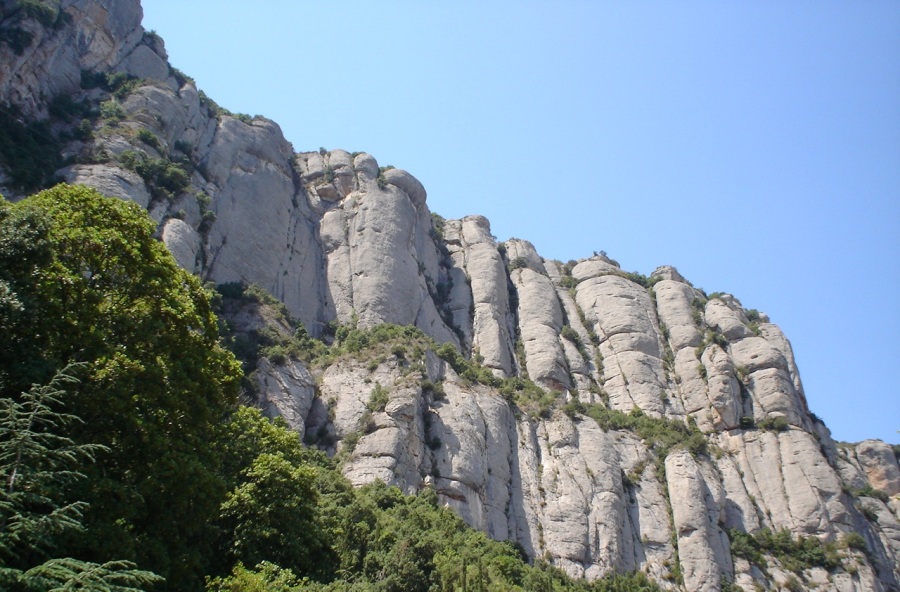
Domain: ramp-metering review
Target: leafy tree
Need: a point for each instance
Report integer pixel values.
(273, 515)
(92, 285)
(247, 434)
(267, 577)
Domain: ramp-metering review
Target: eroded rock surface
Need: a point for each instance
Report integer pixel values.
(341, 241)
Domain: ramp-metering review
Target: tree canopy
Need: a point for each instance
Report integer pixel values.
(83, 280)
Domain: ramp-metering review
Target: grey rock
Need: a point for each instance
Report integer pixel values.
(880, 465)
(286, 390)
(703, 548)
(726, 321)
(143, 62)
(109, 180)
(622, 317)
(483, 265)
(182, 241)
(408, 184)
(540, 323)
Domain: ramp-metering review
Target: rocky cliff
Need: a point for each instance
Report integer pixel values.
(604, 420)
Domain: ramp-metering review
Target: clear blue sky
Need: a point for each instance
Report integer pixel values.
(753, 145)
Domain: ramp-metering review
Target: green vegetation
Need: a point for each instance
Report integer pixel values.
(571, 334)
(437, 227)
(164, 178)
(17, 38)
(152, 467)
(111, 111)
(135, 460)
(382, 181)
(639, 279)
(698, 306)
(149, 138)
(85, 281)
(774, 424)
(567, 281)
(528, 397)
(118, 84)
(869, 491)
(794, 554)
(753, 321)
(29, 152)
(281, 337)
(43, 11)
(855, 541)
(38, 463)
(213, 108)
(661, 435)
(517, 263)
(711, 337)
(391, 542)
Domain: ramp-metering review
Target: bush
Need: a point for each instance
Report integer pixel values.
(437, 227)
(569, 333)
(568, 281)
(121, 84)
(378, 399)
(854, 540)
(869, 491)
(164, 178)
(870, 514)
(662, 435)
(517, 263)
(16, 38)
(64, 108)
(84, 131)
(111, 110)
(43, 12)
(184, 147)
(794, 554)
(149, 138)
(774, 424)
(435, 389)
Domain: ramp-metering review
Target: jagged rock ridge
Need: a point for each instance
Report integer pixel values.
(340, 240)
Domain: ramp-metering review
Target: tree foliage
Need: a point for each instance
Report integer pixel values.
(38, 465)
(86, 282)
(272, 515)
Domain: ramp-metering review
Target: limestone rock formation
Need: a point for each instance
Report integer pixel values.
(604, 420)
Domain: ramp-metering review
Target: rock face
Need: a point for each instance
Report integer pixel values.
(629, 422)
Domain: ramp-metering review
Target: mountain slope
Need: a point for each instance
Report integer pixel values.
(604, 420)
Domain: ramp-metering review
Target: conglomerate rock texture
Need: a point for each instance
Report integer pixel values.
(340, 240)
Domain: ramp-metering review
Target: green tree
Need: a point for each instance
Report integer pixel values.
(92, 285)
(272, 516)
(37, 468)
(267, 577)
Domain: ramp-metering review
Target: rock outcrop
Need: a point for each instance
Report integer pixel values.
(604, 420)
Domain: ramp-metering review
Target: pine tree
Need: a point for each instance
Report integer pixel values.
(37, 466)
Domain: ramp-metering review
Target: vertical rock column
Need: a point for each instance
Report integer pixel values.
(540, 318)
(625, 321)
(477, 254)
(703, 548)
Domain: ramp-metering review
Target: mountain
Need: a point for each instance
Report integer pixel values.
(604, 420)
